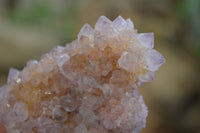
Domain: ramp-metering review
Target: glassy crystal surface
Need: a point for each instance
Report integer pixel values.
(89, 86)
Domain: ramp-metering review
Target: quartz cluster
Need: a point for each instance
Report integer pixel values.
(89, 86)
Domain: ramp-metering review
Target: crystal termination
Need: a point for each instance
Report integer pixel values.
(89, 86)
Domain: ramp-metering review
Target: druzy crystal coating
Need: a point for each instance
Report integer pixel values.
(89, 86)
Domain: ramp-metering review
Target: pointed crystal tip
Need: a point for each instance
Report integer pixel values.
(146, 39)
(101, 22)
(86, 31)
(154, 60)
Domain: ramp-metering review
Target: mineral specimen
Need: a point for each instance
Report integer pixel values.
(89, 86)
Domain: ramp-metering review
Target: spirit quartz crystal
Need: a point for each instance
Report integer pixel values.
(88, 86)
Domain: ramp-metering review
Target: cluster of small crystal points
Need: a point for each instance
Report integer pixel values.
(89, 86)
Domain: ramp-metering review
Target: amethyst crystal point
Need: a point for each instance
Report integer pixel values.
(89, 86)
(129, 23)
(105, 27)
(119, 24)
(146, 39)
(154, 60)
(13, 75)
(86, 31)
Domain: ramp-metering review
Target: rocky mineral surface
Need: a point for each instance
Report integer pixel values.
(89, 86)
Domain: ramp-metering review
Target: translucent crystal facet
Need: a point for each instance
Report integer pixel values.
(87, 31)
(13, 75)
(89, 86)
(105, 27)
(154, 60)
(21, 112)
(129, 24)
(119, 24)
(146, 39)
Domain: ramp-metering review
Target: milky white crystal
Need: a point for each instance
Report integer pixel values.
(89, 86)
